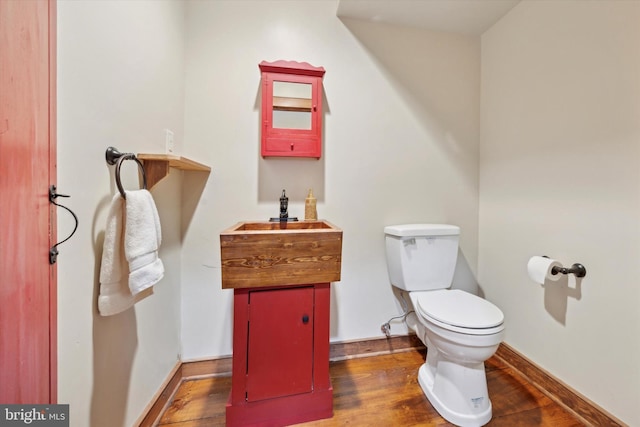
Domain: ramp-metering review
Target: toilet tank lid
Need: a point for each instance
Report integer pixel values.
(418, 230)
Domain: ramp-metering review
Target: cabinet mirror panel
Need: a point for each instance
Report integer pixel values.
(292, 105)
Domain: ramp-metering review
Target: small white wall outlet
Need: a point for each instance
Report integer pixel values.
(169, 143)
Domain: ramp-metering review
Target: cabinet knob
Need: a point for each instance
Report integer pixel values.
(292, 146)
(305, 319)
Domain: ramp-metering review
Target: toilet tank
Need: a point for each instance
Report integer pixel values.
(421, 257)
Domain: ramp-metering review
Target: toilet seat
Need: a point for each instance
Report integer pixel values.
(460, 311)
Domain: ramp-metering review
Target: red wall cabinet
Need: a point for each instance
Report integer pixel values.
(291, 109)
(280, 356)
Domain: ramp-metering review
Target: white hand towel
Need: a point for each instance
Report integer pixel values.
(142, 240)
(115, 295)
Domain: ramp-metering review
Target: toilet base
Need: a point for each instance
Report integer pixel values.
(471, 419)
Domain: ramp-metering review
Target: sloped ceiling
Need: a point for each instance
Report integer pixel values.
(469, 17)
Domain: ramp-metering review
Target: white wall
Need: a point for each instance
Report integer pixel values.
(401, 134)
(120, 82)
(401, 130)
(560, 176)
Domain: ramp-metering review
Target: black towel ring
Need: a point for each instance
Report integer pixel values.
(113, 156)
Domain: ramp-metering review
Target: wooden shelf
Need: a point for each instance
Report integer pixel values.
(158, 166)
(291, 104)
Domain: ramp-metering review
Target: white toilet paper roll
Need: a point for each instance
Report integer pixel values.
(539, 269)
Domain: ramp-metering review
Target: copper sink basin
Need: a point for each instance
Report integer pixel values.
(266, 254)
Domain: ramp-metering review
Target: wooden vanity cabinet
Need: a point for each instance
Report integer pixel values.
(280, 273)
(280, 356)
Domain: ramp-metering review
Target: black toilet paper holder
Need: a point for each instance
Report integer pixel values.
(578, 269)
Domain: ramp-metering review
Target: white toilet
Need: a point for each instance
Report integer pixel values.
(460, 330)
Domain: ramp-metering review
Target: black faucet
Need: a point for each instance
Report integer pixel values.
(284, 210)
(284, 206)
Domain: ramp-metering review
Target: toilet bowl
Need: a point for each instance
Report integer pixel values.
(453, 376)
(460, 330)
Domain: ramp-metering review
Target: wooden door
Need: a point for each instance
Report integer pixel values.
(27, 220)
(280, 343)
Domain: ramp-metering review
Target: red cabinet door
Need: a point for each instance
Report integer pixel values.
(280, 343)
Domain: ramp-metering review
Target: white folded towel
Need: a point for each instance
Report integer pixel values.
(142, 240)
(130, 264)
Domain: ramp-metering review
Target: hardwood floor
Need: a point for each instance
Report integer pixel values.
(380, 391)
